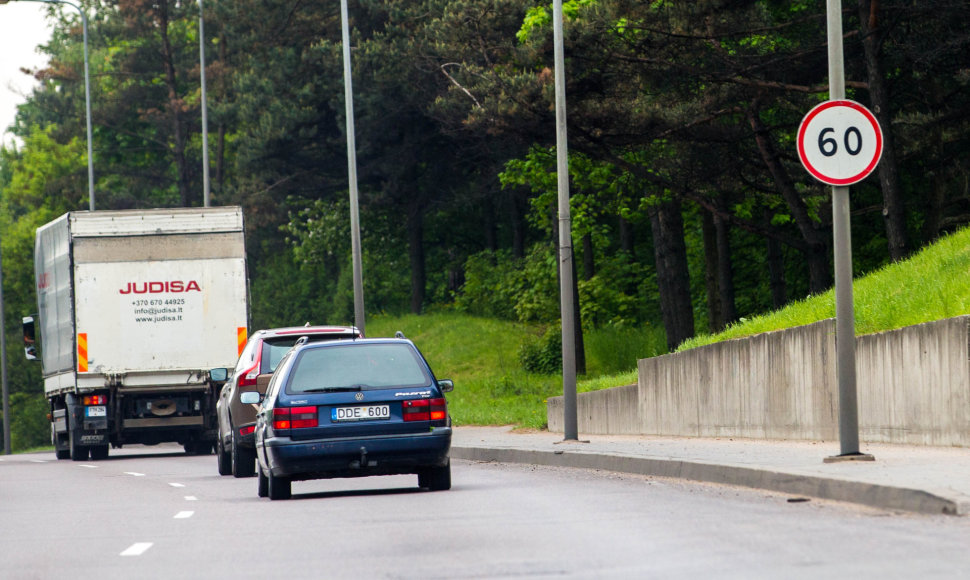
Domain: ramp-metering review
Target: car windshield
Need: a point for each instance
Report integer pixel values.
(357, 366)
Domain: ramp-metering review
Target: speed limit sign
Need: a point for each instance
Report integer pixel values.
(839, 142)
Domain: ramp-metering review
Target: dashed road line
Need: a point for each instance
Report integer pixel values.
(191, 498)
(177, 484)
(134, 474)
(38, 461)
(184, 515)
(137, 549)
(88, 466)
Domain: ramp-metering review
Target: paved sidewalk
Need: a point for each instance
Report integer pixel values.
(919, 479)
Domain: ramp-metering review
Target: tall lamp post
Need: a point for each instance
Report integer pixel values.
(352, 174)
(205, 122)
(87, 88)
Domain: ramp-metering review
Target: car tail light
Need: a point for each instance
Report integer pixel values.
(247, 430)
(248, 378)
(425, 410)
(294, 418)
(95, 400)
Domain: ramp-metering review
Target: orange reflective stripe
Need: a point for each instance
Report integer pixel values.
(241, 338)
(82, 352)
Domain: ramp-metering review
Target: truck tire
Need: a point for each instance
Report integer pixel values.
(62, 453)
(223, 459)
(243, 460)
(78, 452)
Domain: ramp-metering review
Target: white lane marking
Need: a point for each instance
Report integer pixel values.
(136, 549)
(183, 515)
(88, 466)
(38, 461)
(177, 484)
(134, 474)
(191, 498)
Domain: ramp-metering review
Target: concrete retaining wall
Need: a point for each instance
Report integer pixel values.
(913, 387)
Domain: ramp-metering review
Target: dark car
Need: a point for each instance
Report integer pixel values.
(234, 445)
(352, 409)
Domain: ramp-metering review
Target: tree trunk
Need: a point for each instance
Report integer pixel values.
(589, 264)
(673, 279)
(776, 271)
(174, 105)
(893, 211)
(725, 270)
(416, 255)
(715, 320)
(626, 236)
(816, 254)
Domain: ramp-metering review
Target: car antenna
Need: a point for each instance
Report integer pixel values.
(399, 334)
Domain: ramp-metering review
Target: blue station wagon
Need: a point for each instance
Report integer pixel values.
(352, 408)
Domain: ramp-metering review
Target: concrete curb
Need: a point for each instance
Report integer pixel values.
(880, 496)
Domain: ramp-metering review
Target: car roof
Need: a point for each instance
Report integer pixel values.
(356, 343)
(306, 330)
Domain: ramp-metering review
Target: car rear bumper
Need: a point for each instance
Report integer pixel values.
(357, 457)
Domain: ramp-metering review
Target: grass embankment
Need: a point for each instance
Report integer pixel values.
(482, 357)
(932, 285)
(491, 388)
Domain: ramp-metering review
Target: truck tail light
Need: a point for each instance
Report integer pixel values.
(247, 430)
(285, 418)
(425, 410)
(94, 400)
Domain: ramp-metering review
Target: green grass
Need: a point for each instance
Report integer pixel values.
(482, 357)
(932, 285)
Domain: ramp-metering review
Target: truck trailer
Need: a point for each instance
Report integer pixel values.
(139, 314)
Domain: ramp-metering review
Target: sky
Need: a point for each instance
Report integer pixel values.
(22, 28)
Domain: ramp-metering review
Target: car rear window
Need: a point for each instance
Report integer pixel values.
(367, 366)
(275, 348)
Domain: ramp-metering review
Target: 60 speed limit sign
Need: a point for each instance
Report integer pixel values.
(839, 142)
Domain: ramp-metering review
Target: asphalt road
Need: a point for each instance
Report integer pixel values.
(157, 513)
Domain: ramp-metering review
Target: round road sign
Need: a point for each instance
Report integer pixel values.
(839, 142)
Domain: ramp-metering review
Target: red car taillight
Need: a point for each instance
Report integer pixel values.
(247, 430)
(95, 400)
(424, 410)
(248, 378)
(285, 418)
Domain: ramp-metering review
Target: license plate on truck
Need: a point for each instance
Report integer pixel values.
(95, 412)
(360, 413)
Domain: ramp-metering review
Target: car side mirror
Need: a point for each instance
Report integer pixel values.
(218, 375)
(250, 398)
(446, 385)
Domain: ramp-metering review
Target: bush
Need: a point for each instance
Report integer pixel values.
(29, 426)
(543, 355)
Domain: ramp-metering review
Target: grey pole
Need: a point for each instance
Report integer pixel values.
(842, 241)
(205, 122)
(570, 429)
(352, 174)
(87, 89)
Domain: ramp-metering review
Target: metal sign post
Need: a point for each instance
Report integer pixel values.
(840, 143)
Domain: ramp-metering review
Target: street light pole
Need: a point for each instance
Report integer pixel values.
(352, 175)
(205, 122)
(87, 88)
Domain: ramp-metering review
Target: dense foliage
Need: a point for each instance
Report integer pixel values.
(690, 208)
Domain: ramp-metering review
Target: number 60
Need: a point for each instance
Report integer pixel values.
(829, 147)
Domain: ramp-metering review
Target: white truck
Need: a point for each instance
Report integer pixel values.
(140, 313)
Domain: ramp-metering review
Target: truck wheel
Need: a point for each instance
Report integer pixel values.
(62, 453)
(223, 458)
(278, 487)
(78, 452)
(243, 460)
(99, 452)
